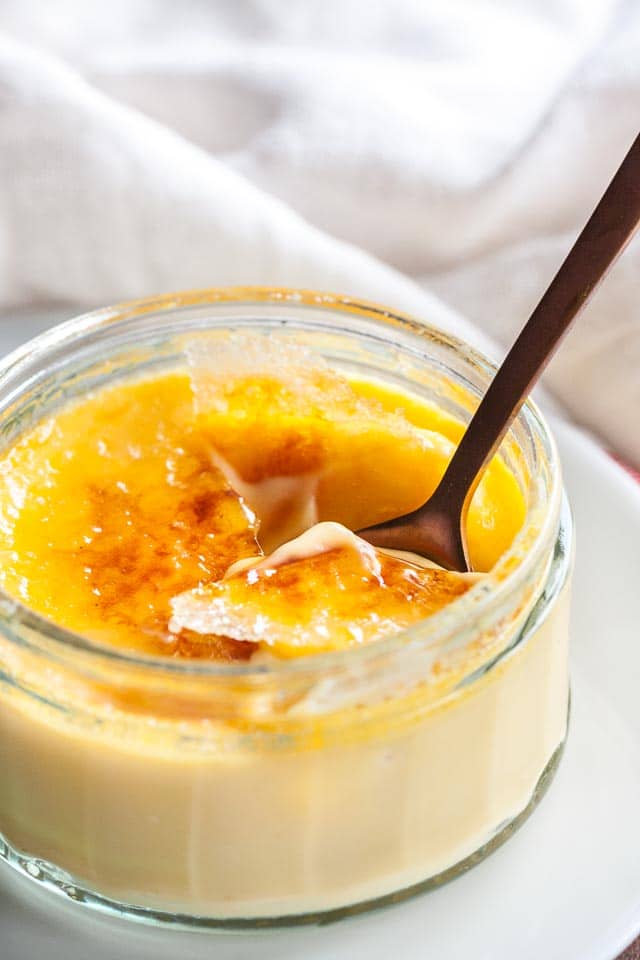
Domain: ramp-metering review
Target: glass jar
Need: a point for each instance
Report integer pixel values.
(248, 794)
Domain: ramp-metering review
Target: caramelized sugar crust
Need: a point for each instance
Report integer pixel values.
(116, 504)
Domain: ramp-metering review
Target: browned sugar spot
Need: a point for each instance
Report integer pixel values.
(139, 558)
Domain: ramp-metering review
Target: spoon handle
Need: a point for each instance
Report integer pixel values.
(609, 228)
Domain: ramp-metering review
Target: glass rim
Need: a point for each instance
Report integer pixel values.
(513, 567)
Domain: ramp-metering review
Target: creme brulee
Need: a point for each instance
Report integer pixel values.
(205, 515)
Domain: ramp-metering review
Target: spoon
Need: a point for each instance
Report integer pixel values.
(437, 529)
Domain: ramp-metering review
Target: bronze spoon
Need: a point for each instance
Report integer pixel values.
(437, 529)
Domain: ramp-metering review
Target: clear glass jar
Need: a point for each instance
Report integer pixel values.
(236, 795)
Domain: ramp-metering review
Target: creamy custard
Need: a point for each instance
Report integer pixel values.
(159, 517)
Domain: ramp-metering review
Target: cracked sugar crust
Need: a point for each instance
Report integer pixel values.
(121, 501)
(328, 590)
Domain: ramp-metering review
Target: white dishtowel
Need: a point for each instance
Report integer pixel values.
(437, 156)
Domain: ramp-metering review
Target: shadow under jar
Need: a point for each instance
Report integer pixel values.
(204, 793)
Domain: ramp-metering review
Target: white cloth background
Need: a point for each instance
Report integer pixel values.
(437, 156)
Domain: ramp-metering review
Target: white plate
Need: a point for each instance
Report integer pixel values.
(565, 887)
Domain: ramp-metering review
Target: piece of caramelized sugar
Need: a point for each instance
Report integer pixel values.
(317, 594)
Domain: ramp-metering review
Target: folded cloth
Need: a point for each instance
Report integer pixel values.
(438, 157)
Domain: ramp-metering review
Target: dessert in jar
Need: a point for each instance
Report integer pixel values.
(218, 705)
